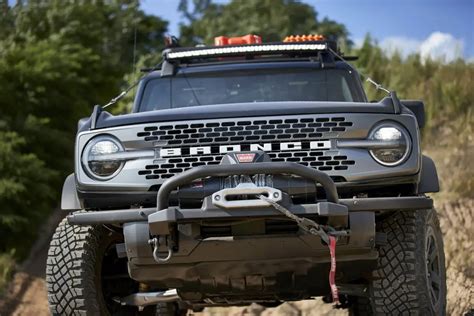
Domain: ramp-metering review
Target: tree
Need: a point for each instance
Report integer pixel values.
(57, 59)
(199, 7)
(23, 190)
(272, 19)
(61, 59)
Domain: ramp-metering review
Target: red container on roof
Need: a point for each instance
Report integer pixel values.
(241, 40)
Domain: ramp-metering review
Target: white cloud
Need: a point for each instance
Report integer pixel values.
(438, 46)
(442, 46)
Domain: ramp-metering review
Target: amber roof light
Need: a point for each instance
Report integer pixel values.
(304, 38)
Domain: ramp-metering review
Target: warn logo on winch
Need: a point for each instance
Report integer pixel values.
(223, 149)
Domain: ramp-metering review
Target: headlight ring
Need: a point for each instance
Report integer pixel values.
(102, 169)
(390, 132)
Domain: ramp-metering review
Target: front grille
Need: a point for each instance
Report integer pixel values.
(245, 132)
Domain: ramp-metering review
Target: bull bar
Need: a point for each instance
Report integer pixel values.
(332, 206)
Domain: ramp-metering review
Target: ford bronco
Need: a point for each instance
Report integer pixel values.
(250, 172)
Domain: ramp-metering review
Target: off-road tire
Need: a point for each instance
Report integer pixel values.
(74, 257)
(401, 284)
(70, 270)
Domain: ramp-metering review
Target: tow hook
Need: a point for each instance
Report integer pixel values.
(143, 299)
(155, 243)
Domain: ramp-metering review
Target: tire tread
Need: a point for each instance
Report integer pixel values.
(399, 286)
(69, 270)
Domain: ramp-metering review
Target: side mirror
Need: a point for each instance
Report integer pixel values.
(418, 109)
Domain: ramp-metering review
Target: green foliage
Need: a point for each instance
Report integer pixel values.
(57, 59)
(24, 192)
(7, 265)
(272, 19)
(199, 7)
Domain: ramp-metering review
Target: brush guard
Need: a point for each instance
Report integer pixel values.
(160, 222)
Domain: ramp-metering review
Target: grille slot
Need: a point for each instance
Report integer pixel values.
(244, 132)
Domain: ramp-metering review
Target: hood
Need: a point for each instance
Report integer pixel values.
(106, 120)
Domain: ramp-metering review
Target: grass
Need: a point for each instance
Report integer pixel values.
(7, 266)
(451, 146)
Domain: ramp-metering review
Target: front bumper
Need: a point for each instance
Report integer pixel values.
(353, 215)
(239, 263)
(163, 219)
(249, 266)
(176, 215)
(329, 207)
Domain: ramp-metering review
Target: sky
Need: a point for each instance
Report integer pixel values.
(441, 29)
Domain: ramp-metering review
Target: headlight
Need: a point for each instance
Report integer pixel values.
(98, 160)
(393, 144)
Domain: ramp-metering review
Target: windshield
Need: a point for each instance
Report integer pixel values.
(243, 86)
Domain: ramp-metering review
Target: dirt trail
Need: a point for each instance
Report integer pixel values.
(27, 293)
(457, 224)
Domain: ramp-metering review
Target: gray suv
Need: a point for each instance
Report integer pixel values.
(250, 172)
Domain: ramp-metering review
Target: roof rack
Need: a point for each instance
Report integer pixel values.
(318, 49)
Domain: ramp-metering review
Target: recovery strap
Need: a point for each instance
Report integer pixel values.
(332, 271)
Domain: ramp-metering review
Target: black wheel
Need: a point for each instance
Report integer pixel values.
(411, 274)
(85, 276)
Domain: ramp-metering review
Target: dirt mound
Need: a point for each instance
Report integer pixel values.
(26, 296)
(457, 224)
(314, 307)
(27, 292)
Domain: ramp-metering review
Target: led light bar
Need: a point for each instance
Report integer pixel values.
(262, 49)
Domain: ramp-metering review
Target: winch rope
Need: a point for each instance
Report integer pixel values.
(332, 271)
(313, 228)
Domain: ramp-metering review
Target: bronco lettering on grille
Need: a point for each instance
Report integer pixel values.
(223, 149)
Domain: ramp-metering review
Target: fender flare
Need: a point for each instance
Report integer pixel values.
(429, 182)
(69, 198)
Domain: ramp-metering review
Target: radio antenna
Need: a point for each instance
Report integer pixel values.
(134, 66)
